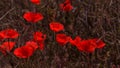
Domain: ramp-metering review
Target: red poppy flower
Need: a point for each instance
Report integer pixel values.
(62, 39)
(7, 46)
(24, 52)
(32, 44)
(76, 41)
(56, 26)
(9, 33)
(87, 46)
(33, 17)
(39, 36)
(99, 43)
(37, 2)
(66, 6)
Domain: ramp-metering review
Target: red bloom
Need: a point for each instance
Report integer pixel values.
(66, 6)
(87, 46)
(33, 17)
(32, 44)
(39, 36)
(76, 41)
(37, 2)
(9, 33)
(7, 46)
(90, 45)
(24, 52)
(62, 39)
(56, 26)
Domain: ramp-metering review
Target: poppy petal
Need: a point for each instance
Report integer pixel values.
(9, 33)
(76, 41)
(32, 17)
(32, 44)
(99, 43)
(87, 46)
(39, 36)
(7, 46)
(56, 26)
(24, 52)
(37, 2)
(62, 39)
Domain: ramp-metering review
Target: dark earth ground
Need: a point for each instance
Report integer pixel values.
(88, 19)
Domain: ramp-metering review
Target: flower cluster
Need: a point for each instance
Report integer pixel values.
(28, 49)
(7, 46)
(38, 40)
(88, 45)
